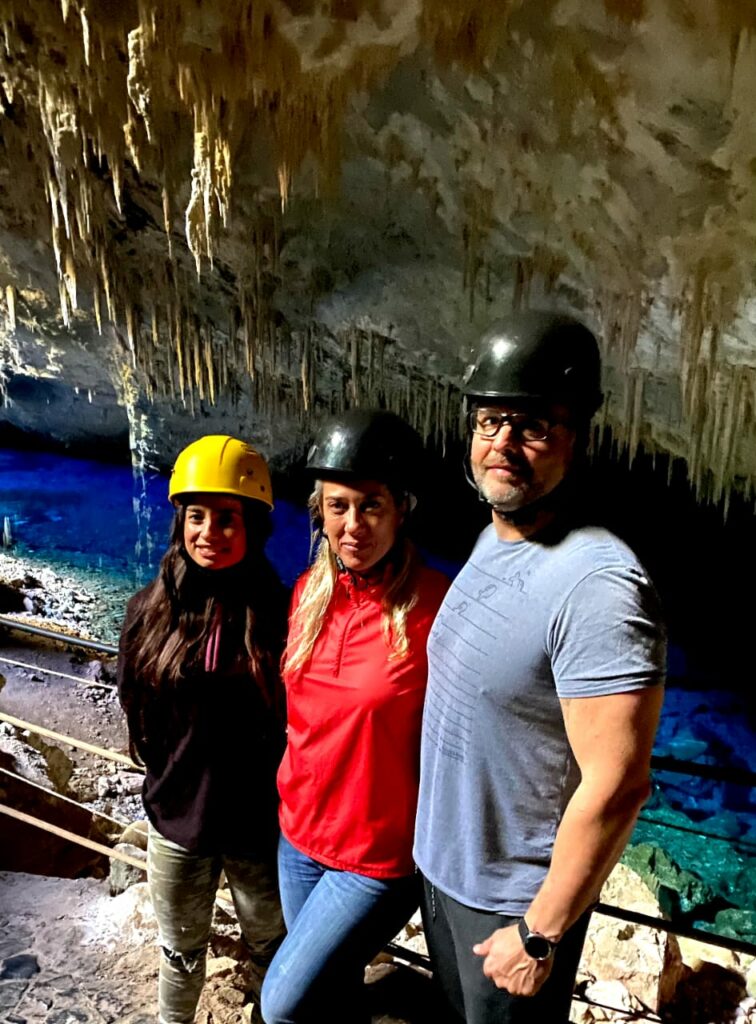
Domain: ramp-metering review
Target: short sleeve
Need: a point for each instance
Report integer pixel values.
(608, 636)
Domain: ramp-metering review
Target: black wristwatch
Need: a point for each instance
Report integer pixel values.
(535, 944)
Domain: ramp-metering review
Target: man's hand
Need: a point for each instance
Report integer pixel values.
(509, 966)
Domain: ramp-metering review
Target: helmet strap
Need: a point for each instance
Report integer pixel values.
(554, 501)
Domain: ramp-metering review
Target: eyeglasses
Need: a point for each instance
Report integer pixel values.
(488, 423)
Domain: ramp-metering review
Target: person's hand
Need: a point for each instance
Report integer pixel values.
(508, 965)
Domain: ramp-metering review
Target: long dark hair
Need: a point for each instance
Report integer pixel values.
(165, 644)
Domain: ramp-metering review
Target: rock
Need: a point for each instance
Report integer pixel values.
(751, 980)
(10, 995)
(104, 786)
(35, 603)
(740, 924)
(694, 953)
(129, 783)
(69, 1015)
(136, 834)
(613, 1002)
(97, 671)
(412, 935)
(686, 748)
(645, 961)
(17, 967)
(123, 875)
(725, 823)
(678, 891)
(14, 937)
(221, 967)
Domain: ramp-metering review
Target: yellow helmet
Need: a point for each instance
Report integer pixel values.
(218, 464)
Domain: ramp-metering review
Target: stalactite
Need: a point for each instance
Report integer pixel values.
(63, 300)
(522, 280)
(85, 34)
(180, 358)
(10, 302)
(131, 332)
(207, 340)
(305, 371)
(93, 122)
(354, 366)
(69, 280)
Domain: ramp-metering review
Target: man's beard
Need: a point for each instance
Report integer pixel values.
(507, 497)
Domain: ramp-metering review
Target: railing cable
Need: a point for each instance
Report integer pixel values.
(63, 833)
(57, 672)
(111, 755)
(64, 798)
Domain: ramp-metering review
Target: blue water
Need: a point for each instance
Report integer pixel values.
(69, 512)
(80, 513)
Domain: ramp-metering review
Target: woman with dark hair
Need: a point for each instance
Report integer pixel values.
(355, 673)
(198, 678)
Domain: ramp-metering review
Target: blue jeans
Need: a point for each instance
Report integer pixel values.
(337, 922)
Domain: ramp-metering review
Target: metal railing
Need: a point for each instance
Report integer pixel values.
(666, 764)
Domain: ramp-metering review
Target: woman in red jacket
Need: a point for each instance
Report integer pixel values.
(355, 675)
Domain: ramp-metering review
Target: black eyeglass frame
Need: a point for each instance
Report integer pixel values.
(518, 421)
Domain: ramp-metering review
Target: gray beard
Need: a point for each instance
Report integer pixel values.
(515, 499)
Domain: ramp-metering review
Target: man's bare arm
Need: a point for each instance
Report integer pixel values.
(611, 737)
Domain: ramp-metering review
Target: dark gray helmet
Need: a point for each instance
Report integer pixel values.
(369, 444)
(538, 355)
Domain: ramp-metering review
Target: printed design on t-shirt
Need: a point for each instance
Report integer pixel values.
(460, 645)
(515, 581)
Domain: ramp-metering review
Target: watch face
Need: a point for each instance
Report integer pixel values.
(538, 947)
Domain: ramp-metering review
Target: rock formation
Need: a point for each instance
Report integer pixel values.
(255, 211)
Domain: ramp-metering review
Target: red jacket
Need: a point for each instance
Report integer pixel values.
(349, 778)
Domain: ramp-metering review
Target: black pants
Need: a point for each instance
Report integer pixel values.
(451, 930)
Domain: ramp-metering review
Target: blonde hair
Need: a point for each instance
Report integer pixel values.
(398, 601)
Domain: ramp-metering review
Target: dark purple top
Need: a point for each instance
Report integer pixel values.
(211, 746)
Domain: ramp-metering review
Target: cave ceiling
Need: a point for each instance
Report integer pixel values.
(286, 206)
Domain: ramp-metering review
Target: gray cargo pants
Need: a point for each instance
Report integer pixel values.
(182, 888)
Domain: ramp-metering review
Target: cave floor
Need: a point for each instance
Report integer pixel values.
(69, 952)
(72, 954)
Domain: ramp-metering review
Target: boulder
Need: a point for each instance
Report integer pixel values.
(136, 834)
(645, 961)
(608, 1001)
(123, 875)
(677, 890)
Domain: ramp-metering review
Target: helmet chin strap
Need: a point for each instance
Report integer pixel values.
(526, 515)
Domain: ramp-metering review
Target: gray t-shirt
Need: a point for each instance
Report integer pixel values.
(523, 624)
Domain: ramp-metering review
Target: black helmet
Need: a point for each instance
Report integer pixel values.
(368, 444)
(538, 355)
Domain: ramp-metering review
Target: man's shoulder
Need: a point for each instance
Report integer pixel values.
(596, 538)
(596, 547)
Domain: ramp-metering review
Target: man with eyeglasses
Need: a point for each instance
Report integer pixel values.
(545, 668)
